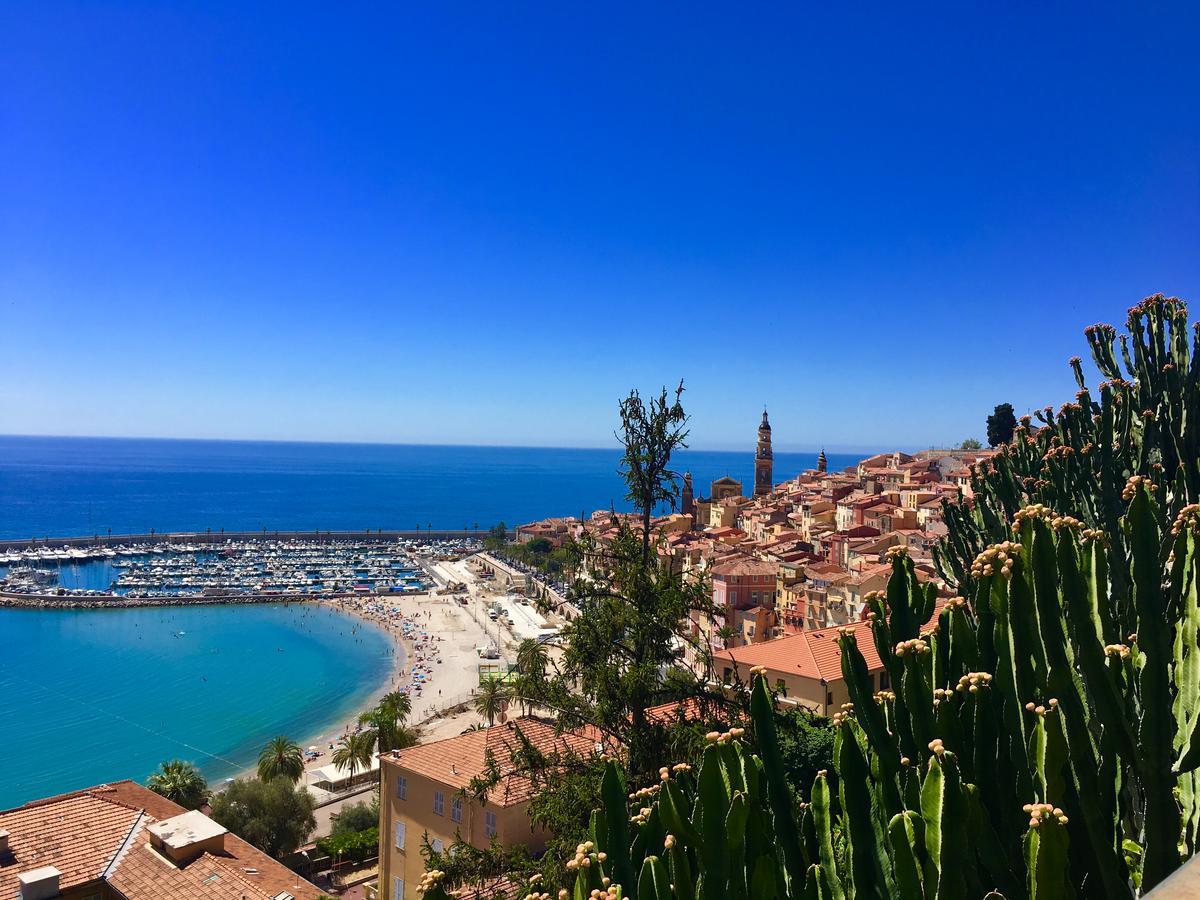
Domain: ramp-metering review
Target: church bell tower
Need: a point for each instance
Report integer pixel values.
(763, 460)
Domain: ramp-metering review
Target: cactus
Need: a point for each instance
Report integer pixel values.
(1068, 675)
(1098, 737)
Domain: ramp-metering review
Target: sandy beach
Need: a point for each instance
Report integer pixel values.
(434, 640)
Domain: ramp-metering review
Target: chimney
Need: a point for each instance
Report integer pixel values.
(39, 884)
(3, 841)
(184, 837)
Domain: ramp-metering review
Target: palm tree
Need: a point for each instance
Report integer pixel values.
(181, 782)
(493, 695)
(405, 736)
(387, 721)
(532, 657)
(399, 703)
(354, 752)
(281, 758)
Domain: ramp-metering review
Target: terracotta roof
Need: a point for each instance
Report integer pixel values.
(743, 565)
(811, 654)
(455, 761)
(100, 834)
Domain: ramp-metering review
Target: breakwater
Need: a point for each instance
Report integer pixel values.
(115, 601)
(219, 537)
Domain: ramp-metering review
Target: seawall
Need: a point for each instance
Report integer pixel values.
(113, 601)
(218, 537)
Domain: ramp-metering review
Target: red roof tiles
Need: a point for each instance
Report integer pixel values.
(99, 835)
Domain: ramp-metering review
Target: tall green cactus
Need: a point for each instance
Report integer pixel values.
(1145, 421)
(1043, 739)
(1096, 735)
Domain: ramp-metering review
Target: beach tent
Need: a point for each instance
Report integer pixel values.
(334, 778)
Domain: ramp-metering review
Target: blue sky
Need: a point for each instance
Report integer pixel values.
(483, 223)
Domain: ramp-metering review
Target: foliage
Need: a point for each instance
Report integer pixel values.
(281, 758)
(726, 828)
(492, 699)
(387, 722)
(355, 752)
(1146, 422)
(971, 444)
(497, 537)
(275, 816)
(462, 863)
(356, 817)
(538, 546)
(621, 657)
(806, 746)
(352, 845)
(1000, 425)
(1041, 740)
(181, 782)
(617, 654)
(539, 553)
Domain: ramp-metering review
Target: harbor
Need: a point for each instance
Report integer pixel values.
(229, 569)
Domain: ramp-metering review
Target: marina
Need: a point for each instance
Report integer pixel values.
(232, 568)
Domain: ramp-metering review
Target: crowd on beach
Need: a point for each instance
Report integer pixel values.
(413, 628)
(421, 651)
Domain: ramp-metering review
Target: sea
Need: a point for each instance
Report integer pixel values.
(88, 696)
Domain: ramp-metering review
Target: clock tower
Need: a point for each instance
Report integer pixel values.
(763, 460)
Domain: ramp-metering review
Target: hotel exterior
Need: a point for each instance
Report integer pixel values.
(425, 791)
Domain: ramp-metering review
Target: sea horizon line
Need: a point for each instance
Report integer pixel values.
(813, 448)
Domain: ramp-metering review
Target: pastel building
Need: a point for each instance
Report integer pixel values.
(425, 791)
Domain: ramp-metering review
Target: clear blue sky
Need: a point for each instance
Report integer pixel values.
(482, 223)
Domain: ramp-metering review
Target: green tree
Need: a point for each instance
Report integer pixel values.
(630, 636)
(354, 752)
(387, 720)
(1000, 425)
(538, 546)
(532, 657)
(497, 537)
(276, 816)
(806, 745)
(181, 782)
(491, 700)
(971, 444)
(281, 758)
(356, 817)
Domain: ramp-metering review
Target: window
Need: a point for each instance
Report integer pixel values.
(397, 889)
(401, 788)
(437, 845)
(733, 596)
(399, 835)
(456, 809)
(885, 680)
(439, 803)
(780, 687)
(489, 823)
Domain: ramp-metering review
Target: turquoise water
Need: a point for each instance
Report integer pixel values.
(88, 696)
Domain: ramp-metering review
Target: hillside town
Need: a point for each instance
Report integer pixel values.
(788, 563)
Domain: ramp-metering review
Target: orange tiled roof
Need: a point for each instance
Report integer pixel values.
(455, 761)
(742, 565)
(811, 654)
(99, 834)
